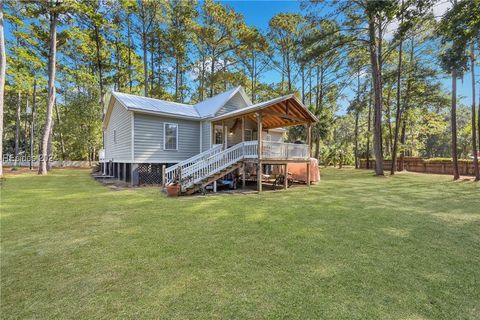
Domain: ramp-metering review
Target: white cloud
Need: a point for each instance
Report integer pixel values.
(438, 9)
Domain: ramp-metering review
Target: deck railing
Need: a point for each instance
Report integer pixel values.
(210, 162)
(284, 151)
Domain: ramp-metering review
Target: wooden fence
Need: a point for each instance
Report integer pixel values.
(465, 167)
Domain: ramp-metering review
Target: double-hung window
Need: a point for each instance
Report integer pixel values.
(170, 136)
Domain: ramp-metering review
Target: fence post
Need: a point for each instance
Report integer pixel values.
(164, 177)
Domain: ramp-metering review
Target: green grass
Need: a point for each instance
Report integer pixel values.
(353, 247)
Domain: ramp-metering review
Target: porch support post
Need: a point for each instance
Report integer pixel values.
(225, 135)
(215, 186)
(164, 177)
(286, 176)
(243, 175)
(134, 175)
(259, 152)
(212, 132)
(243, 128)
(309, 142)
(243, 163)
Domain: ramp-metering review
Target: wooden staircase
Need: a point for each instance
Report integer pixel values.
(199, 171)
(208, 180)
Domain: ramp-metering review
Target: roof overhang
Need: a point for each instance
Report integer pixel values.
(280, 112)
(111, 101)
(111, 98)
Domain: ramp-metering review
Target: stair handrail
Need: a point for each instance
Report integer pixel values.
(202, 166)
(172, 172)
(214, 164)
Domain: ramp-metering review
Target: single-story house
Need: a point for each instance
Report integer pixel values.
(195, 144)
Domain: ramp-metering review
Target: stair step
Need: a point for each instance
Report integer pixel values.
(212, 178)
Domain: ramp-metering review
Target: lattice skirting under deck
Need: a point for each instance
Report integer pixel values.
(149, 173)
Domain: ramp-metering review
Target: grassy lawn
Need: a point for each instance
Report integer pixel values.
(352, 247)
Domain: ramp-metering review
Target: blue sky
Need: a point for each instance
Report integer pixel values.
(259, 12)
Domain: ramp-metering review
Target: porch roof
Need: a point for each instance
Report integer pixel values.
(279, 112)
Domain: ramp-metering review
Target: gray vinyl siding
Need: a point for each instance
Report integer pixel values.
(148, 139)
(235, 103)
(236, 137)
(120, 121)
(206, 135)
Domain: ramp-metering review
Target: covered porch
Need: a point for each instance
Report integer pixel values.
(255, 128)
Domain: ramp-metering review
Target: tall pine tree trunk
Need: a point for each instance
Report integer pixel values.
(177, 79)
(17, 127)
(25, 128)
(62, 144)
(369, 129)
(377, 90)
(3, 64)
(474, 122)
(289, 73)
(117, 86)
(52, 59)
(399, 109)
(145, 59)
(50, 148)
(152, 66)
(389, 141)
(406, 106)
(252, 78)
(303, 83)
(357, 116)
(310, 86)
(212, 74)
(454, 125)
(317, 89)
(100, 81)
(202, 78)
(32, 125)
(129, 35)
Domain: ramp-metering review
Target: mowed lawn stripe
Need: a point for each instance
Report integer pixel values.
(354, 246)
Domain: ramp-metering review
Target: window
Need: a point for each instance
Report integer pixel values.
(218, 135)
(114, 136)
(170, 136)
(248, 135)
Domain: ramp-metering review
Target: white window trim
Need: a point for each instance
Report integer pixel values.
(165, 136)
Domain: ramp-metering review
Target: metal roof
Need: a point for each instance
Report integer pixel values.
(208, 107)
(204, 109)
(139, 103)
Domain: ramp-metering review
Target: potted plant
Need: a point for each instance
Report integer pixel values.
(173, 188)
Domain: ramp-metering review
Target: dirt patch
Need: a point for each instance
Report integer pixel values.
(10, 171)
